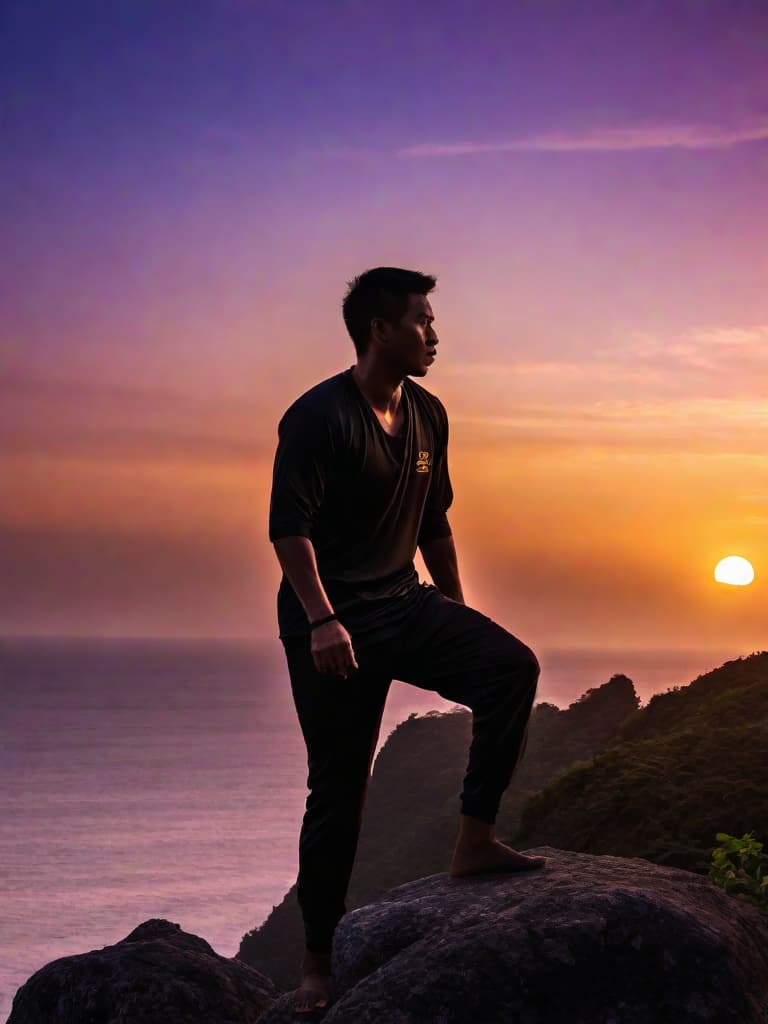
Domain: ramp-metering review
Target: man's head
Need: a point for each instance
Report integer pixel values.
(389, 317)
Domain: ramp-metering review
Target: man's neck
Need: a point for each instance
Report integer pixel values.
(382, 392)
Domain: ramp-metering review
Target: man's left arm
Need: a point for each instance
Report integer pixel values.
(439, 556)
(435, 540)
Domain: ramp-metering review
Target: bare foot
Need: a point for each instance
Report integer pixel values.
(490, 855)
(314, 993)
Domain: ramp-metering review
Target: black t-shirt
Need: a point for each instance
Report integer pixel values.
(365, 499)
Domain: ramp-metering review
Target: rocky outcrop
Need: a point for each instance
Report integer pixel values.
(412, 807)
(584, 940)
(156, 975)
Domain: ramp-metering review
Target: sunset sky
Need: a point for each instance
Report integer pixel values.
(189, 186)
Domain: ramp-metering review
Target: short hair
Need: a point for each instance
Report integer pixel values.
(380, 292)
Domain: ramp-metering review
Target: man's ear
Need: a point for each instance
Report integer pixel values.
(379, 328)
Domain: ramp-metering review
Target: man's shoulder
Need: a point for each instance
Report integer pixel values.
(320, 403)
(427, 399)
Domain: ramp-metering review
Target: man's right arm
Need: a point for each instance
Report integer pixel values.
(302, 464)
(297, 558)
(331, 644)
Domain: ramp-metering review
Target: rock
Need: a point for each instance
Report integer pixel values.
(583, 940)
(156, 975)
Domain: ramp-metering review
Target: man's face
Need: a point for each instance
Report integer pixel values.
(412, 343)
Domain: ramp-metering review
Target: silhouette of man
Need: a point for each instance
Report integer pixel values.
(360, 481)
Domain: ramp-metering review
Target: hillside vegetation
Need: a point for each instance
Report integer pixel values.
(603, 775)
(688, 765)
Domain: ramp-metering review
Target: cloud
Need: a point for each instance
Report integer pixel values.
(556, 370)
(697, 391)
(21, 382)
(663, 428)
(100, 421)
(715, 349)
(654, 416)
(724, 362)
(605, 139)
(111, 445)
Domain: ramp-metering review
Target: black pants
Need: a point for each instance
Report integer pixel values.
(443, 646)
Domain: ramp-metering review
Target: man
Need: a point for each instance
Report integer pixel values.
(360, 481)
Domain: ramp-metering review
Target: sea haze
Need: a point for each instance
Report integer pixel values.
(168, 779)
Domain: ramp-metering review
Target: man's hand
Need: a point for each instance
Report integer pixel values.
(332, 649)
(440, 559)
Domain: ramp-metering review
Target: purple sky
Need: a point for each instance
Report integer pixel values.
(188, 188)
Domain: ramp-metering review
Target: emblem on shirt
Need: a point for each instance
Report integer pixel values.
(423, 462)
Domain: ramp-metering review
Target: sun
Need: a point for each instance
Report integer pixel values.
(734, 570)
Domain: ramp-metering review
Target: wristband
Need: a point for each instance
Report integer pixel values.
(322, 622)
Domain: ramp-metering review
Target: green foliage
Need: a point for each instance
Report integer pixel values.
(735, 683)
(741, 868)
(603, 776)
(664, 782)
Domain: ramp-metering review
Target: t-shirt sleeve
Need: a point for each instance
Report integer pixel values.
(300, 472)
(434, 523)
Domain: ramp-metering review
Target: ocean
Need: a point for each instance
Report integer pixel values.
(151, 778)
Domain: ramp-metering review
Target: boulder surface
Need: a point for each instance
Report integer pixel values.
(158, 974)
(584, 940)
